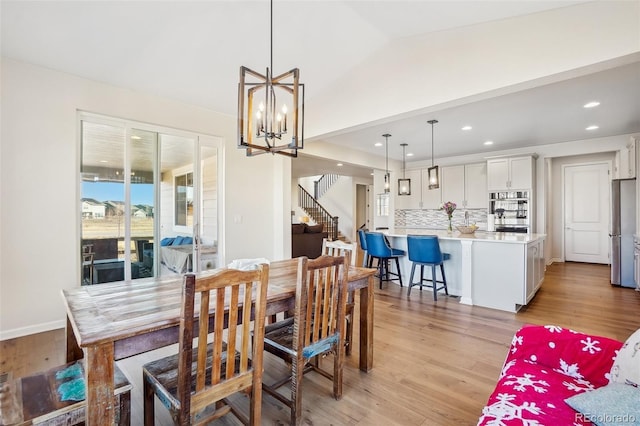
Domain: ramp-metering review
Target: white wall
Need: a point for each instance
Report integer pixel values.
(39, 153)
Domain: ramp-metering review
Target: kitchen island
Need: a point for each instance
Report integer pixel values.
(498, 270)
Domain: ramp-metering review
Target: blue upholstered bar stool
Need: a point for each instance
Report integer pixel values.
(363, 246)
(378, 248)
(424, 250)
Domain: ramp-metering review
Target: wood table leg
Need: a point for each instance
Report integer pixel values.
(366, 326)
(74, 352)
(99, 381)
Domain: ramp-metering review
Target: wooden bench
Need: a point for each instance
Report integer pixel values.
(56, 397)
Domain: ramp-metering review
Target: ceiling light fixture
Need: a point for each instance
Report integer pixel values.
(434, 181)
(266, 127)
(488, 143)
(377, 144)
(591, 104)
(387, 177)
(594, 127)
(467, 128)
(339, 164)
(404, 184)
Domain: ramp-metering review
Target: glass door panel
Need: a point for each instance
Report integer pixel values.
(176, 221)
(102, 201)
(207, 226)
(142, 205)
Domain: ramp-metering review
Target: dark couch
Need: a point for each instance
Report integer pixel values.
(306, 240)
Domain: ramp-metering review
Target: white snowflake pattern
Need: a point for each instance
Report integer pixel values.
(590, 345)
(521, 383)
(506, 367)
(504, 410)
(570, 370)
(553, 328)
(517, 340)
(579, 386)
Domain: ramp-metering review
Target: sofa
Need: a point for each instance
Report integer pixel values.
(557, 376)
(306, 240)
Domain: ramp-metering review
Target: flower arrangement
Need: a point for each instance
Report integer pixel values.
(449, 207)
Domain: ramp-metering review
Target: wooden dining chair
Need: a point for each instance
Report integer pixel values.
(316, 329)
(194, 383)
(340, 248)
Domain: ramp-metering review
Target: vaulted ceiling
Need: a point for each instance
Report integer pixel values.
(191, 52)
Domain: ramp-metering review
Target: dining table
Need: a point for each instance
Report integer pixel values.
(113, 321)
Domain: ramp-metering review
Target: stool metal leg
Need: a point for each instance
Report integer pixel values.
(444, 280)
(434, 282)
(398, 270)
(413, 269)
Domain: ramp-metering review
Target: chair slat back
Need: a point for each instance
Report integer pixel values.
(233, 293)
(339, 248)
(320, 303)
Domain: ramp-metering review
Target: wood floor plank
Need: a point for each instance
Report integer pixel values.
(434, 363)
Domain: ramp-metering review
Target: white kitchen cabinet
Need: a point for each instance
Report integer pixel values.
(408, 202)
(510, 174)
(625, 162)
(535, 266)
(475, 186)
(431, 198)
(465, 185)
(452, 184)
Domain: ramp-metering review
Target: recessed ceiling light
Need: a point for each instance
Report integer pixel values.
(488, 143)
(409, 154)
(591, 104)
(594, 127)
(467, 128)
(339, 164)
(377, 144)
(371, 173)
(136, 137)
(104, 161)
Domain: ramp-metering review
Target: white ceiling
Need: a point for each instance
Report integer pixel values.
(191, 52)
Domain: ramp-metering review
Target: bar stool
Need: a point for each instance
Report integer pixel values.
(424, 250)
(363, 247)
(378, 248)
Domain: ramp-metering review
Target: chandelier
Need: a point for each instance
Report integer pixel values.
(270, 109)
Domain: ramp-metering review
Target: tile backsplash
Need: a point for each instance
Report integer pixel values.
(437, 219)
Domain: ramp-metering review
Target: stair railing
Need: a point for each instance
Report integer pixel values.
(319, 214)
(321, 185)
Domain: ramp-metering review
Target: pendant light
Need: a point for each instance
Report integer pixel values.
(387, 176)
(265, 103)
(404, 184)
(434, 181)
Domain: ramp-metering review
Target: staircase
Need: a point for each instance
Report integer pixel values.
(319, 214)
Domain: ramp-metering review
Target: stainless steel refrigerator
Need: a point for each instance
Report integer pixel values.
(623, 227)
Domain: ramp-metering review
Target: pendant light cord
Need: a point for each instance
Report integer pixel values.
(431, 144)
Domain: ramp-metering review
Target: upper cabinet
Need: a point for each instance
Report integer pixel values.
(407, 202)
(625, 162)
(509, 174)
(475, 186)
(465, 185)
(452, 184)
(431, 198)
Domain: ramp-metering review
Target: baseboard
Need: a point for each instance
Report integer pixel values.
(32, 329)
(555, 260)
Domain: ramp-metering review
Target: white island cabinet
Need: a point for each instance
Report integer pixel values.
(498, 270)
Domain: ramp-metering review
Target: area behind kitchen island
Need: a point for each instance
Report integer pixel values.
(498, 270)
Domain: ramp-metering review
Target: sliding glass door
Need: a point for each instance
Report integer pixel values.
(146, 210)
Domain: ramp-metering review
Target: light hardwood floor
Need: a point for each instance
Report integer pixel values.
(434, 363)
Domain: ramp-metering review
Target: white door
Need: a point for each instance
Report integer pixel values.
(586, 213)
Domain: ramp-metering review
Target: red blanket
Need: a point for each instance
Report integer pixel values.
(544, 366)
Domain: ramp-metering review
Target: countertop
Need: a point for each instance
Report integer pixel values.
(443, 234)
